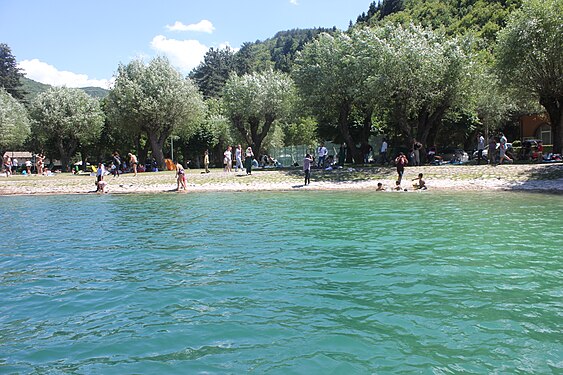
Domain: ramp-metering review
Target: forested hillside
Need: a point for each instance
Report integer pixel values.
(31, 88)
(483, 18)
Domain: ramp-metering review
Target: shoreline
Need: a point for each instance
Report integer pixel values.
(538, 178)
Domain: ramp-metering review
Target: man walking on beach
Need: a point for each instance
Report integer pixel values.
(503, 155)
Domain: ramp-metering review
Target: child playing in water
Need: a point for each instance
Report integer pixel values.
(380, 187)
(421, 184)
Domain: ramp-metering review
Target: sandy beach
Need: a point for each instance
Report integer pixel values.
(524, 177)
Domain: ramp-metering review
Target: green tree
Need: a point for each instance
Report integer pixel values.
(419, 75)
(64, 119)
(331, 77)
(530, 58)
(212, 73)
(10, 74)
(14, 122)
(255, 102)
(157, 100)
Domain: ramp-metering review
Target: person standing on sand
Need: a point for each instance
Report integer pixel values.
(7, 161)
(133, 161)
(502, 147)
(401, 162)
(100, 177)
(248, 156)
(228, 159)
(480, 147)
(322, 152)
(116, 159)
(416, 146)
(39, 163)
(383, 152)
(238, 158)
(307, 161)
(206, 161)
(180, 176)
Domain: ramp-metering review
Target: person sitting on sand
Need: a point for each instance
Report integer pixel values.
(420, 185)
(180, 176)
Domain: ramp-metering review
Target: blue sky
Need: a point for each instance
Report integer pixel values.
(80, 43)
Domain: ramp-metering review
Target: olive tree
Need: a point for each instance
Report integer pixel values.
(530, 57)
(65, 119)
(331, 77)
(14, 122)
(418, 76)
(157, 100)
(255, 102)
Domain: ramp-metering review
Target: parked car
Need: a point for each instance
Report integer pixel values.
(453, 155)
(486, 151)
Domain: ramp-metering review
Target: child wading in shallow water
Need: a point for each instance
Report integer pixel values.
(421, 184)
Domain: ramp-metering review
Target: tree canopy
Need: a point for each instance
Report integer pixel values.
(530, 57)
(10, 74)
(65, 119)
(254, 102)
(14, 122)
(157, 100)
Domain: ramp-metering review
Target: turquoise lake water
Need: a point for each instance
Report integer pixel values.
(282, 283)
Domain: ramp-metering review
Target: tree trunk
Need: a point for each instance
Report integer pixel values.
(156, 147)
(553, 107)
(66, 152)
(356, 153)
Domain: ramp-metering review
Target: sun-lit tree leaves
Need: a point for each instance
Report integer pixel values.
(64, 119)
(157, 100)
(14, 122)
(255, 102)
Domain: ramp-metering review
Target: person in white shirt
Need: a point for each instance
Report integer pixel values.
(238, 158)
(480, 147)
(322, 152)
(228, 159)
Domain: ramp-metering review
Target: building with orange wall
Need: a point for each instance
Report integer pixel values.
(536, 126)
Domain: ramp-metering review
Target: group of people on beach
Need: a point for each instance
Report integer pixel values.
(248, 155)
(11, 165)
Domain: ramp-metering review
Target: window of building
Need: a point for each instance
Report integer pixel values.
(544, 133)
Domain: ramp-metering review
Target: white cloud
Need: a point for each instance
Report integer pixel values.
(184, 54)
(294, 2)
(203, 26)
(42, 72)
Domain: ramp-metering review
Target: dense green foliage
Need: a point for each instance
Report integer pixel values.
(65, 119)
(482, 18)
(255, 102)
(530, 57)
(155, 100)
(10, 75)
(14, 122)
(430, 69)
